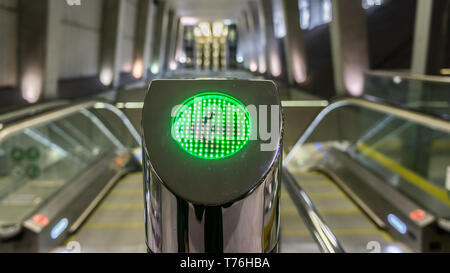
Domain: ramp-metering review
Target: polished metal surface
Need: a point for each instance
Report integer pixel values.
(235, 176)
(320, 230)
(224, 206)
(248, 225)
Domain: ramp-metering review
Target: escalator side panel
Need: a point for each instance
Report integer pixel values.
(383, 203)
(353, 229)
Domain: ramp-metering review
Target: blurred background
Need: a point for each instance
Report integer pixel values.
(68, 49)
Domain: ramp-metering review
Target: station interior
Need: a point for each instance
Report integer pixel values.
(362, 165)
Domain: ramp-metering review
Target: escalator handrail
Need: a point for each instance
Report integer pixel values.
(322, 234)
(62, 112)
(415, 117)
(9, 231)
(409, 76)
(42, 118)
(30, 110)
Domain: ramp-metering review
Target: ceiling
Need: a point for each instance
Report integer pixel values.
(209, 10)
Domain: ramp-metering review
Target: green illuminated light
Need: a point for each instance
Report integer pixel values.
(212, 125)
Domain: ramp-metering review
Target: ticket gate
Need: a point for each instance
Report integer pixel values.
(212, 165)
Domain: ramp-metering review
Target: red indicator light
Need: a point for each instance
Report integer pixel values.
(41, 220)
(119, 161)
(417, 215)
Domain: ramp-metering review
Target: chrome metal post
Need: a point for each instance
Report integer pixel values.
(201, 205)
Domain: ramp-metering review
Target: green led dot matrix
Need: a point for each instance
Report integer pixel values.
(211, 125)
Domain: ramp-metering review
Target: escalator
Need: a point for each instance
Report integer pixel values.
(352, 228)
(57, 162)
(378, 176)
(363, 177)
(116, 225)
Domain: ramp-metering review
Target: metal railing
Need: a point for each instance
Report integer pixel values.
(409, 115)
(322, 234)
(408, 76)
(56, 114)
